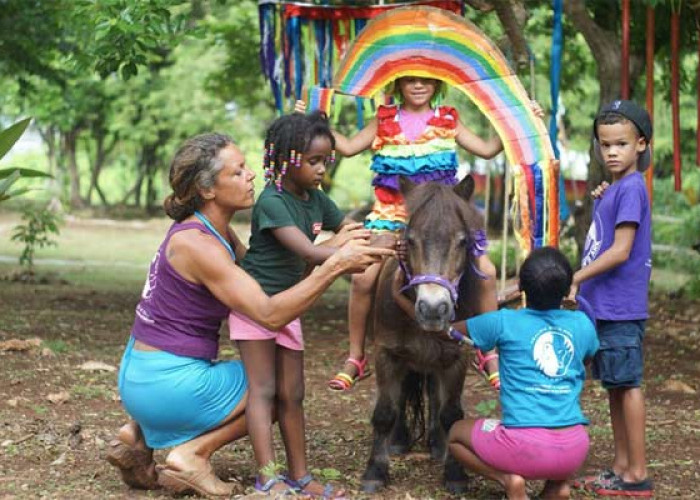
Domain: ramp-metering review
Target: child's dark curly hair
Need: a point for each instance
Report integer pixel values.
(288, 138)
(545, 277)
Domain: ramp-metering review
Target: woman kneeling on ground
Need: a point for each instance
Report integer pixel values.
(177, 396)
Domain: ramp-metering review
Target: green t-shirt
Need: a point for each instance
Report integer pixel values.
(271, 264)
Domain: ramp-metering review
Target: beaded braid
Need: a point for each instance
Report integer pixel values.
(286, 141)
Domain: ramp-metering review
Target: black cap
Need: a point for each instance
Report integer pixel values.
(630, 110)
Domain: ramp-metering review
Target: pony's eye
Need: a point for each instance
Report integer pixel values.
(464, 241)
(410, 241)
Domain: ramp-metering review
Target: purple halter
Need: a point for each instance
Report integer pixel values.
(477, 249)
(422, 279)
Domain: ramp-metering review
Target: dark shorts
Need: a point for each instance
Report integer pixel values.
(620, 361)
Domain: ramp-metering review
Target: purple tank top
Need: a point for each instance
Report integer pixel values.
(175, 315)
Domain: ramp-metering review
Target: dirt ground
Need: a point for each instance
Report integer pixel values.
(57, 414)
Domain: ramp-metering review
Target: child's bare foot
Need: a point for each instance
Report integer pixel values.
(515, 487)
(556, 490)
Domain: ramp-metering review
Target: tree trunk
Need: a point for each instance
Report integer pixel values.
(70, 144)
(100, 158)
(606, 48)
(513, 15)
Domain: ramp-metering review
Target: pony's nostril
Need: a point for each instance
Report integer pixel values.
(422, 307)
(442, 309)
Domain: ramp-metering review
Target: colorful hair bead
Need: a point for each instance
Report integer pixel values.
(298, 160)
(332, 160)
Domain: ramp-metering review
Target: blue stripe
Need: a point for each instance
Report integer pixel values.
(411, 165)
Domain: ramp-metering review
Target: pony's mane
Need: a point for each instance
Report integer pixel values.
(439, 201)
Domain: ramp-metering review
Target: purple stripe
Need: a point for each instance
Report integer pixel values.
(446, 177)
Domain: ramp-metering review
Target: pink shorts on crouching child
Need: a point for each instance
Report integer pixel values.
(241, 327)
(533, 452)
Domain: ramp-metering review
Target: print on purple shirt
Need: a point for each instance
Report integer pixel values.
(621, 293)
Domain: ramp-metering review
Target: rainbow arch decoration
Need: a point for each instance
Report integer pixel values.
(434, 43)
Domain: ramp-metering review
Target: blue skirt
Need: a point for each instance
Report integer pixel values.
(175, 398)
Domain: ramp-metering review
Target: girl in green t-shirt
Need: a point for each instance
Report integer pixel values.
(287, 218)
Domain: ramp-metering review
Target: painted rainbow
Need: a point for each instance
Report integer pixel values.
(434, 43)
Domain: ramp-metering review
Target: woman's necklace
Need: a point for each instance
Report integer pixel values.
(211, 228)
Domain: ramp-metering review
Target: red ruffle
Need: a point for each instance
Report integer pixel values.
(388, 196)
(387, 126)
(447, 118)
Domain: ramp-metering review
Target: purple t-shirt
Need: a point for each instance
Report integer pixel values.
(174, 314)
(620, 293)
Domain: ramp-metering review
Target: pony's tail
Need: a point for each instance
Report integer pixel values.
(414, 386)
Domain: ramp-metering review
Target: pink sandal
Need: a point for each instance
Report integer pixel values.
(344, 382)
(492, 378)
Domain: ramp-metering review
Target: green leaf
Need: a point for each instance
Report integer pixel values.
(24, 173)
(7, 182)
(10, 135)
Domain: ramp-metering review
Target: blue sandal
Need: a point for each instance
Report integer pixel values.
(271, 483)
(299, 487)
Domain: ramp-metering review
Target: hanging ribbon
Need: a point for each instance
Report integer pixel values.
(301, 43)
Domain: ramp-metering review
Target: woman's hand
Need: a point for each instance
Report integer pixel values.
(300, 107)
(598, 192)
(356, 256)
(353, 231)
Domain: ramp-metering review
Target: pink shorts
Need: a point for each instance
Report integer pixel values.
(534, 452)
(241, 327)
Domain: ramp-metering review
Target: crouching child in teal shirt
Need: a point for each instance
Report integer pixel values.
(542, 349)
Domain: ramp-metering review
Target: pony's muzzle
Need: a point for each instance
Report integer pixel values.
(434, 307)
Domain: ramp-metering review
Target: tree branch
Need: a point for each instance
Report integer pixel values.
(512, 14)
(480, 5)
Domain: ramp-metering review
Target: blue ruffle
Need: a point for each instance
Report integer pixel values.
(384, 225)
(412, 165)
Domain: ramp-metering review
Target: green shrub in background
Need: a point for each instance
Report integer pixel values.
(35, 233)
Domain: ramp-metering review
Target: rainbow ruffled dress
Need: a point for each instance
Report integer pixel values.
(432, 156)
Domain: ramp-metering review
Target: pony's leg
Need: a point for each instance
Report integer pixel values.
(401, 440)
(456, 479)
(436, 434)
(390, 376)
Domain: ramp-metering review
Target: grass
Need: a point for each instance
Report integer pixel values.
(114, 255)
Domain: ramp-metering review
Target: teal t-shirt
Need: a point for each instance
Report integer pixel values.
(270, 263)
(541, 356)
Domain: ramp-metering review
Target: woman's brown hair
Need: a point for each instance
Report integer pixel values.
(194, 168)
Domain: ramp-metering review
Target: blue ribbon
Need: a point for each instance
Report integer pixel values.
(554, 81)
(216, 233)
(555, 72)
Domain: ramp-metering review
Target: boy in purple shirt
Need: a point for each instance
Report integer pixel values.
(614, 278)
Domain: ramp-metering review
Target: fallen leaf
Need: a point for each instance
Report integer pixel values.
(12, 402)
(678, 386)
(19, 344)
(58, 398)
(97, 366)
(60, 460)
(48, 353)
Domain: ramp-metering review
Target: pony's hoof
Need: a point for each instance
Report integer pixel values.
(371, 486)
(457, 487)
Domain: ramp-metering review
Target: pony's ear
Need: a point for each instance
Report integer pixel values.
(406, 185)
(465, 189)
